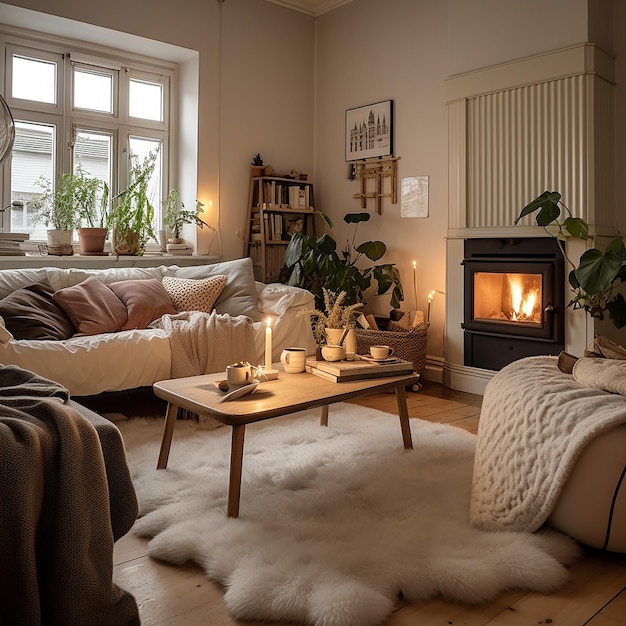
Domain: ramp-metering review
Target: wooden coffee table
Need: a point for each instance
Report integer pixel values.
(288, 394)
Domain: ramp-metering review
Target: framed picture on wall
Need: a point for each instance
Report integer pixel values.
(369, 131)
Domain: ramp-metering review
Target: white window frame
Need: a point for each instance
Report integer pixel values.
(69, 54)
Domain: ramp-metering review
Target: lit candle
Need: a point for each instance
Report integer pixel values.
(431, 295)
(415, 283)
(268, 346)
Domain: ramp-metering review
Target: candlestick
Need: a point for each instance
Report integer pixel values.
(268, 346)
(415, 283)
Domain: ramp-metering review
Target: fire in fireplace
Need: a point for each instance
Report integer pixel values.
(513, 300)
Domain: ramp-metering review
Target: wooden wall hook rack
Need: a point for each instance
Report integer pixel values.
(372, 175)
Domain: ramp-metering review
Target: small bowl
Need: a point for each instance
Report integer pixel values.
(333, 353)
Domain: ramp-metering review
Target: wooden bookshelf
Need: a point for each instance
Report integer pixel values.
(277, 208)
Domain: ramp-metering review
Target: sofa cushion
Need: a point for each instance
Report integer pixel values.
(92, 307)
(146, 301)
(31, 313)
(239, 296)
(189, 294)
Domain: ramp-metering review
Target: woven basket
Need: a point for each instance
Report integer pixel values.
(408, 344)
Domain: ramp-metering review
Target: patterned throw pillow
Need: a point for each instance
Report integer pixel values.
(189, 294)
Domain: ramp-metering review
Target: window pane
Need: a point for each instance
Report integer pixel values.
(145, 100)
(93, 154)
(33, 157)
(140, 148)
(93, 90)
(34, 79)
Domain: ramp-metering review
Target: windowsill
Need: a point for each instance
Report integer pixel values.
(97, 262)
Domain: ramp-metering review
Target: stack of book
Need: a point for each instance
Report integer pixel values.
(10, 244)
(359, 369)
(178, 249)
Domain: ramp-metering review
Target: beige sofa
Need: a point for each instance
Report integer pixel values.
(137, 357)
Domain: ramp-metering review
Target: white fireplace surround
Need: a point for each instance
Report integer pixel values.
(514, 131)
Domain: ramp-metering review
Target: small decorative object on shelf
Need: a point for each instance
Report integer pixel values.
(258, 168)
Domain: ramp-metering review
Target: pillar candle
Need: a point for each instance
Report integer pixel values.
(268, 346)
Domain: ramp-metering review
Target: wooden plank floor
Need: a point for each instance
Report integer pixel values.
(183, 596)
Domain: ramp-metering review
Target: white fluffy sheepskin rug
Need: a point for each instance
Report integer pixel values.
(336, 523)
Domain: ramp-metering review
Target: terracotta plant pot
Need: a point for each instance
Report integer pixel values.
(258, 170)
(127, 244)
(92, 240)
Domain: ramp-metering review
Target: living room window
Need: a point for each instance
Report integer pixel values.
(79, 108)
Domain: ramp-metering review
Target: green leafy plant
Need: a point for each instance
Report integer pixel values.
(257, 160)
(132, 214)
(314, 263)
(175, 215)
(599, 273)
(60, 205)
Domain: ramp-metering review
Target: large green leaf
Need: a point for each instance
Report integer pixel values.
(355, 218)
(576, 227)
(597, 270)
(547, 204)
(373, 250)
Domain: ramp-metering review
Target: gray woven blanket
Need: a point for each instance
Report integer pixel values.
(56, 540)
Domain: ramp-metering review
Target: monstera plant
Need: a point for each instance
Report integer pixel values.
(599, 272)
(316, 263)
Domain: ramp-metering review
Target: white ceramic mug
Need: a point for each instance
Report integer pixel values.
(333, 353)
(293, 360)
(381, 352)
(238, 374)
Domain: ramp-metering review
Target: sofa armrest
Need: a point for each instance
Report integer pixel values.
(276, 298)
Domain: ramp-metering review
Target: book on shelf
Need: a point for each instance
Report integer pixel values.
(338, 371)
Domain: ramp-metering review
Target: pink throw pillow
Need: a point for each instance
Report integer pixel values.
(92, 307)
(145, 299)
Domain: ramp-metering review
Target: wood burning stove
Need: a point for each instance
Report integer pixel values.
(513, 300)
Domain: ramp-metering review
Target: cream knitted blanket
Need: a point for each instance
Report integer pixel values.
(203, 343)
(534, 423)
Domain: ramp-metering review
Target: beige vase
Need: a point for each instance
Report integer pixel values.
(333, 336)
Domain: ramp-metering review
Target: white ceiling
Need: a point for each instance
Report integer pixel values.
(311, 7)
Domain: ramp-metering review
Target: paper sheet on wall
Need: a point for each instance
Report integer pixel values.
(414, 196)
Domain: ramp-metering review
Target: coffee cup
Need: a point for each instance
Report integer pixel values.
(293, 360)
(239, 374)
(381, 352)
(333, 353)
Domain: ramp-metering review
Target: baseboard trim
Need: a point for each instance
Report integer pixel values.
(469, 379)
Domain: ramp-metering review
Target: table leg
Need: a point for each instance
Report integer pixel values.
(236, 463)
(324, 416)
(403, 412)
(168, 431)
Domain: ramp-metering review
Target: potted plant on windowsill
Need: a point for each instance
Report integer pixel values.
(175, 216)
(92, 197)
(314, 263)
(132, 214)
(57, 207)
(599, 273)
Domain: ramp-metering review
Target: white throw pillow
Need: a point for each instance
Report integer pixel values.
(239, 296)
